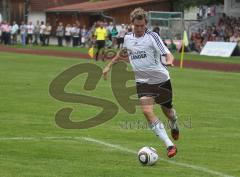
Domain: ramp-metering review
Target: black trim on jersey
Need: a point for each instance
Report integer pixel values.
(162, 62)
(149, 32)
(156, 38)
(159, 44)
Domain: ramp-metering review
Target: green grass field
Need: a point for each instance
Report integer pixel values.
(32, 145)
(53, 48)
(177, 55)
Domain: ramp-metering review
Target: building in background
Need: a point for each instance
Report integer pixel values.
(12, 10)
(37, 8)
(232, 7)
(89, 12)
(29, 10)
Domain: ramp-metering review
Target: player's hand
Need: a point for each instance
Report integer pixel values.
(169, 64)
(105, 71)
(123, 55)
(169, 60)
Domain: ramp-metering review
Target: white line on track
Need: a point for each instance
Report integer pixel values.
(115, 146)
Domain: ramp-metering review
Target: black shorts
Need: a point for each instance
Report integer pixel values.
(120, 40)
(100, 44)
(30, 37)
(162, 92)
(68, 38)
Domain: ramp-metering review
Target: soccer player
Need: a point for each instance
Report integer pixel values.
(144, 49)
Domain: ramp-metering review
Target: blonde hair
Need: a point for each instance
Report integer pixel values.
(138, 14)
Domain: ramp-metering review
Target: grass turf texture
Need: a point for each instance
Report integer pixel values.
(53, 48)
(177, 55)
(209, 99)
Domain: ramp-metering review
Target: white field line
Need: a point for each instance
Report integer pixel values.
(115, 146)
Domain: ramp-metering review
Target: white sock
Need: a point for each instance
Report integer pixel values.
(160, 131)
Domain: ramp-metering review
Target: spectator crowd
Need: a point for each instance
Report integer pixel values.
(69, 35)
(226, 30)
(76, 35)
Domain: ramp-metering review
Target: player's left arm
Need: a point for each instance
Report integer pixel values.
(169, 59)
(163, 50)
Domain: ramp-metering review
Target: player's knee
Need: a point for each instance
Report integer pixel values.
(147, 112)
(170, 113)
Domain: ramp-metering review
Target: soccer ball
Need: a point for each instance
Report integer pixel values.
(147, 156)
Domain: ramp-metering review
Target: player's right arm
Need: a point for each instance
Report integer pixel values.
(121, 55)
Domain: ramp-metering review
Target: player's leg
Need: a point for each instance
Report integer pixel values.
(165, 100)
(98, 49)
(102, 50)
(146, 103)
(170, 113)
(30, 40)
(155, 124)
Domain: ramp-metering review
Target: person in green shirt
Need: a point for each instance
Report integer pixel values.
(173, 47)
(114, 34)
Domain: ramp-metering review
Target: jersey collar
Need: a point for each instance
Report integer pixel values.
(142, 35)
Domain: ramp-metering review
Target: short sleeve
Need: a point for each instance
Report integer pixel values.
(158, 44)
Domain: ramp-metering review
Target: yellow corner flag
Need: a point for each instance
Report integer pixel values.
(91, 52)
(184, 43)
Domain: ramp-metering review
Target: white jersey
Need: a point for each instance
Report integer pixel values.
(145, 57)
(30, 29)
(42, 29)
